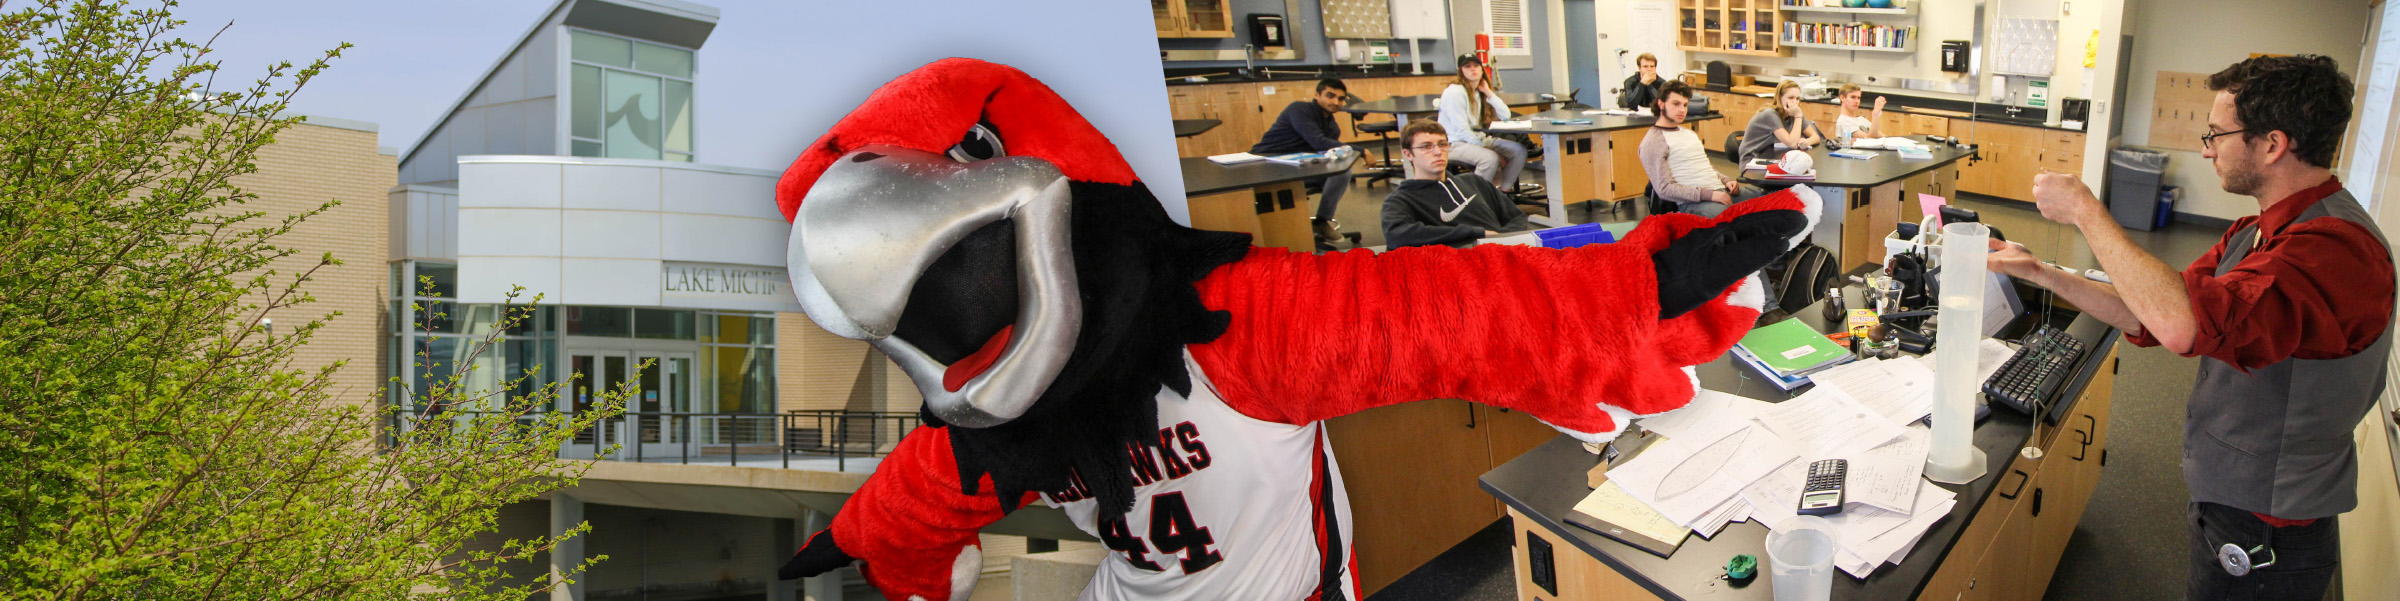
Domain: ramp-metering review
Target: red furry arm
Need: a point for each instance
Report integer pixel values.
(910, 526)
(1546, 331)
(1568, 336)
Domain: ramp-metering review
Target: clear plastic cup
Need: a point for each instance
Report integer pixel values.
(1800, 555)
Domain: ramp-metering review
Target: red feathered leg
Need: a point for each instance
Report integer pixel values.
(1573, 337)
(909, 527)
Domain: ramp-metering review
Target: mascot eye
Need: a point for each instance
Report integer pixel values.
(980, 144)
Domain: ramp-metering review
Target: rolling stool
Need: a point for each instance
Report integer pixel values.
(1386, 167)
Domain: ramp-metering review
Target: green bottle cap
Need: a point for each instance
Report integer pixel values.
(1741, 567)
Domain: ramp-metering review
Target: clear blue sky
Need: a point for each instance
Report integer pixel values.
(772, 76)
(769, 78)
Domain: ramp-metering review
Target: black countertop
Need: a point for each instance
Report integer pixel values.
(1424, 103)
(1542, 124)
(1272, 73)
(1884, 168)
(1545, 483)
(1202, 177)
(1985, 112)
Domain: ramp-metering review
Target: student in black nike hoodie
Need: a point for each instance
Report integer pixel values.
(1432, 207)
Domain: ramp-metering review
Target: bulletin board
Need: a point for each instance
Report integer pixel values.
(2179, 111)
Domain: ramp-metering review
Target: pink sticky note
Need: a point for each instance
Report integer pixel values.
(1932, 206)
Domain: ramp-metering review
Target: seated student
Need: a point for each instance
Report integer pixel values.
(1307, 126)
(1641, 89)
(1434, 207)
(1473, 101)
(1678, 165)
(1779, 124)
(1851, 125)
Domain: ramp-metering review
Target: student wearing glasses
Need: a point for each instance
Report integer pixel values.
(1307, 126)
(1472, 102)
(1434, 207)
(2288, 314)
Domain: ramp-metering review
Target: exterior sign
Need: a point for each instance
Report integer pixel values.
(716, 280)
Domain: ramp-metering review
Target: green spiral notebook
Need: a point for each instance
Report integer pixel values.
(1792, 348)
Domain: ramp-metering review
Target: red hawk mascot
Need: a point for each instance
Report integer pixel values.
(1163, 385)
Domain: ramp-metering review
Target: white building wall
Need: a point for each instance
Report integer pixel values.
(588, 231)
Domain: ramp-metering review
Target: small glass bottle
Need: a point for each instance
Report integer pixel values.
(1835, 313)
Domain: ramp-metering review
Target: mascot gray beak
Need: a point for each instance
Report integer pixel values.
(881, 216)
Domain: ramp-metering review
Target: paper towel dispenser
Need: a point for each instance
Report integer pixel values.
(1267, 31)
(1954, 56)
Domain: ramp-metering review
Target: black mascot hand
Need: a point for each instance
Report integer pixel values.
(819, 556)
(1699, 266)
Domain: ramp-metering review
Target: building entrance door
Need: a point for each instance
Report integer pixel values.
(593, 374)
(660, 412)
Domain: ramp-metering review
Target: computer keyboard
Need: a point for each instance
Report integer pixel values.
(2042, 364)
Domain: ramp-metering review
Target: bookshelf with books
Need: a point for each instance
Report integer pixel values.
(1855, 35)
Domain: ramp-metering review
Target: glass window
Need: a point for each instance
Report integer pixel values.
(742, 375)
(396, 290)
(631, 106)
(445, 280)
(599, 321)
(662, 324)
(585, 149)
(679, 116)
(726, 329)
(522, 356)
(662, 60)
(530, 323)
(596, 48)
(585, 119)
(762, 331)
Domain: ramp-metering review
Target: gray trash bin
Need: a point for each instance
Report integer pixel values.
(2133, 175)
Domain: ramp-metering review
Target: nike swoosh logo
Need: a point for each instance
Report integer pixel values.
(1452, 213)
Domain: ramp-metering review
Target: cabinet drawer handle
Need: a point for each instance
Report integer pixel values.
(1470, 415)
(2022, 478)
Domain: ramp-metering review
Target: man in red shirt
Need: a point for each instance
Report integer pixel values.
(2288, 313)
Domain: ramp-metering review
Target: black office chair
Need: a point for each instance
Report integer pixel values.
(1733, 148)
(1658, 206)
(1387, 167)
(1572, 103)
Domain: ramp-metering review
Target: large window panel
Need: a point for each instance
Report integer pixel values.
(663, 60)
(595, 48)
(586, 114)
(632, 109)
(679, 116)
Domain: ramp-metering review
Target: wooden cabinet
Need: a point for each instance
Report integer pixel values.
(1249, 108)
(1737, 108)
(1411, 471)
(2012, 547)
(1744, 27)
(2012, 155)
(1192, 18)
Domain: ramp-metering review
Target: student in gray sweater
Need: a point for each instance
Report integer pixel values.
(1433, 207)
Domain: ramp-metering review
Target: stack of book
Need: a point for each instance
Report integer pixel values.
(1787, 351)
(1848, 34)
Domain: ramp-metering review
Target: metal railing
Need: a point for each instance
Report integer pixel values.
(707, 438)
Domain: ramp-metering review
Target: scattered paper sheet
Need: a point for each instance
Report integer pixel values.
(1901, 391)
(1710, 416)
(1883, 482)
(1990, 354)
(1827, 422)
(1643, 476)
(1510, 125)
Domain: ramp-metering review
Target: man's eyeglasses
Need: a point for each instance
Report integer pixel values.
(2209, 138)
(1428, 147)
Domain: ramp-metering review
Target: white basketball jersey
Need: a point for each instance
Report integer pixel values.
(1227, 507)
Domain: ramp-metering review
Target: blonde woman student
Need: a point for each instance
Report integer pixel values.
(1472, 102)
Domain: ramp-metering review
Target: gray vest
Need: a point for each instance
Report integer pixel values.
(2277, 440)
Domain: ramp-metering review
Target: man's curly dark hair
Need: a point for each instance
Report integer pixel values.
(2306, 97)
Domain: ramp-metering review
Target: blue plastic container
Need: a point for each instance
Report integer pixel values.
(1574, 235)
